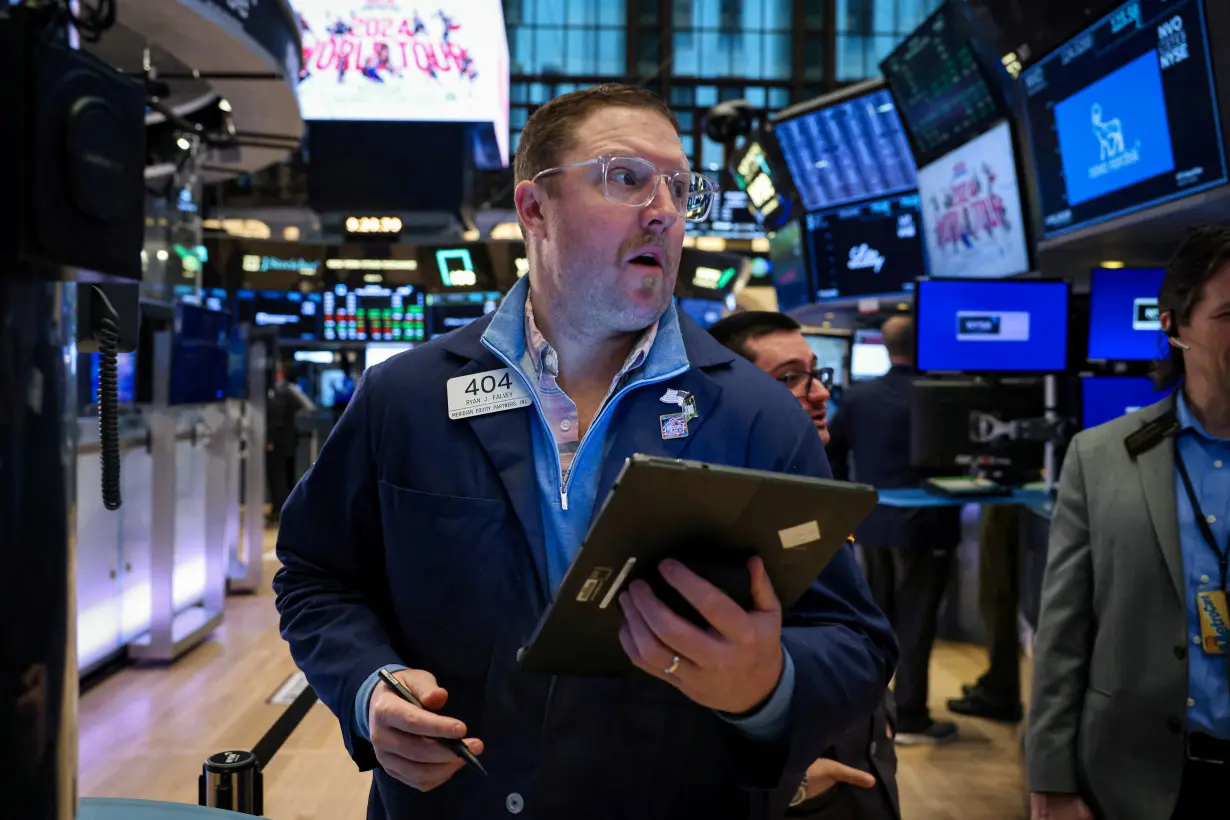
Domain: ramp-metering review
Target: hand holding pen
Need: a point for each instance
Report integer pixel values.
(413, 743)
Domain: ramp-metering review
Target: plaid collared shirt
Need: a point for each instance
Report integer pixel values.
(559, 410)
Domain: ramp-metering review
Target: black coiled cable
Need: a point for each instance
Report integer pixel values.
(108, 410)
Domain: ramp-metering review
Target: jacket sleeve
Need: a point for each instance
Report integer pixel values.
(843, 650)
(1064, 638)
(330, 591)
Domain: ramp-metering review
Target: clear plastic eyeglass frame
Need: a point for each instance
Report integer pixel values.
(633, 181)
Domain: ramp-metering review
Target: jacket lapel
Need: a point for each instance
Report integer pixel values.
(1156, 470)
(506, 438)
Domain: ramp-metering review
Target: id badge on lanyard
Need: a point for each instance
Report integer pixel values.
(1214, 614)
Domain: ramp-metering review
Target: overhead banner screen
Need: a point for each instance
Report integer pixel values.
(398, 61)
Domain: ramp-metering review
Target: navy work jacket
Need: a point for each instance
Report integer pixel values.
(418, 540)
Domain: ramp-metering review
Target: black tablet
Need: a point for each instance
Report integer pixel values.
(710, 517)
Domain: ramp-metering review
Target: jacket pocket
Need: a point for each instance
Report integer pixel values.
(447, 564)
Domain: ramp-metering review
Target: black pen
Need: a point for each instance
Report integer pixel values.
(457, 746)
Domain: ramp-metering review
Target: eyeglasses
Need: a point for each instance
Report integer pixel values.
(794, 381)
(633, 181)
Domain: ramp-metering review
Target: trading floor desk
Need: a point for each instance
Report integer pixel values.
(963, 620)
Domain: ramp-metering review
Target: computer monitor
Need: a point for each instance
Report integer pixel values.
(374, 354)
(831, 351)
(1124, 320)
(940, 87)
(971, 210)
(329, 383)
(791, 278)
(1124, 116)
(868, 356)
(997, 326)
(297, 316)
(200, 355)
(703, 311)
(1106, 398)
(449, 311)
(946, 420)
(846, 147)
(869, 249)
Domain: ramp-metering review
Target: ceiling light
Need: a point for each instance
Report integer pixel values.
(183, 143)
(1114, 264)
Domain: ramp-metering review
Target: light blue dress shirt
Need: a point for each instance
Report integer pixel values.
(566, 528)
(1208, 464)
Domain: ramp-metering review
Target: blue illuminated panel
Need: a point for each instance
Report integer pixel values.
(1124, 319)
(992, 326)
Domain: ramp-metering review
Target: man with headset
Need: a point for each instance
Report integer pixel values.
(855, 778)
(1131, 697)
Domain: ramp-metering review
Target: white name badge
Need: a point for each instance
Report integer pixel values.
(491, 392)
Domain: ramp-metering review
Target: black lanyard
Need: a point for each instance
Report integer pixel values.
(1223, 555)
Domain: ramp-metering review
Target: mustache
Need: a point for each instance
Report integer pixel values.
(647, 240)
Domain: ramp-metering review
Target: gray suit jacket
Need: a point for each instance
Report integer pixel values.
(1110, 668)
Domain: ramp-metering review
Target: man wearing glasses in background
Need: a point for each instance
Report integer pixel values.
(428, 540)
(909, 551)
(855, 779)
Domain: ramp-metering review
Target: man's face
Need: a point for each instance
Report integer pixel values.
(1207, 335)
(785, 353)
(587, 243)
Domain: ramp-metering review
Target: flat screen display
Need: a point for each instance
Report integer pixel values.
(1124, 116)
(831, 352)
(401, 60)
(447, 312)
(971, 210)
(1106, 398)
(296, 315)
(868, 356)
(871, 249)
(1124, 321)
(791, 279)
(731, 216)
(374, 354)
(992, 327)
(941, 92)
(373, 313)
(852, 150)
(702, 311)
(753, 172)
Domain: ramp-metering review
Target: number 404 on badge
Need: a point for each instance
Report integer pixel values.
(481, 393)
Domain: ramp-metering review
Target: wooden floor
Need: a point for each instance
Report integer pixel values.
(146, 731)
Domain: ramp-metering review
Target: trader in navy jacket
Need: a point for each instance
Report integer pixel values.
(429, 539)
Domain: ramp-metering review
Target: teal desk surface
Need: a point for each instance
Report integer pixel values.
(104, 808)
(1031, 496)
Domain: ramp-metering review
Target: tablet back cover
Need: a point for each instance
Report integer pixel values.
(660, 508)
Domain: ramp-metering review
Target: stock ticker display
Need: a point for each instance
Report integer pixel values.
(1124, 115)
(942, 95)
(852, 150)
(374, 313)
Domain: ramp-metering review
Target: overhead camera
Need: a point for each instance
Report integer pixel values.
(728, 121)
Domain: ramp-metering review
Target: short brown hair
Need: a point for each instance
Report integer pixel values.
(549, 131)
